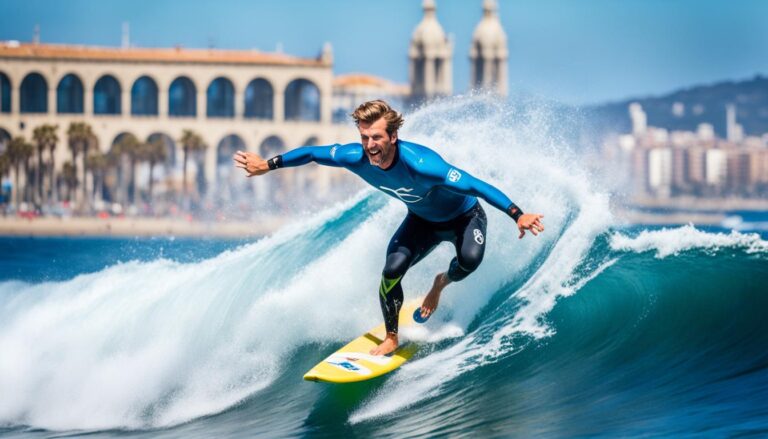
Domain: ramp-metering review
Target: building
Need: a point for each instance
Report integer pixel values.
(350, 90)
(430, 58)
(247, 100)
(663, 164)
(488, 54)
(234, 99)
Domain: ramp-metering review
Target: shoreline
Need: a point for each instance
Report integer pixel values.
(262, 226)
(137, 227)
(695, 205)
(639, 218)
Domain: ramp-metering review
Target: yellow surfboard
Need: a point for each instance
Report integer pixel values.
(353, 363)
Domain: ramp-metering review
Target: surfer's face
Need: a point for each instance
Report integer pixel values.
(378, 145)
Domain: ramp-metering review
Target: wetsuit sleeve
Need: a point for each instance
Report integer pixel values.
(306, 154)
(332, 155)
(460, 181)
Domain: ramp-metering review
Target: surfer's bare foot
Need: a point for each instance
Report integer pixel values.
(433, 297)
(387, 346)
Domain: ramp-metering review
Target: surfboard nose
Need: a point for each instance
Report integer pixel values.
(310, 376)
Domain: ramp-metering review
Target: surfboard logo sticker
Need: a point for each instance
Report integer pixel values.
(349, 366)
(348, 361)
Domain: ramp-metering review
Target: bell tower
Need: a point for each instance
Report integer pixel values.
(431, 58)
(489, 54)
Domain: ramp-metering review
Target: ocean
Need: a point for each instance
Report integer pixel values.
(592, 329)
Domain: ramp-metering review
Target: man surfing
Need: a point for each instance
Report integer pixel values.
(441, 199)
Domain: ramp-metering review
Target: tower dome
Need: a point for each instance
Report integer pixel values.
(429, 36)
(488, 52)
(430, 56)
(489, 34)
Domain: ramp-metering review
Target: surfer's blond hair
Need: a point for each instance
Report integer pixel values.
(372, 111)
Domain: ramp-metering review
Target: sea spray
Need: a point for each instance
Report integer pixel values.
(144, 344)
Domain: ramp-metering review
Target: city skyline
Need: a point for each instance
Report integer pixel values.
(582, 54)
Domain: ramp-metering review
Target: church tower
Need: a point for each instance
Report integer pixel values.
(488, 54)
(431, 58)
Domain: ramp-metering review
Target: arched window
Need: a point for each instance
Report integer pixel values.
(182, 97)
(271, 146)
(69, 95)
(106, 96)
(227, 148)
(5, 139)
(418, 73)
(5, 93)
(144, 97)
(170, 146)
(166, 169)
(34, 94)
(116, 178)
(221, 98)
(259, 98)
(230, 183)
(119, 140)
(302, 100)
(479, 67)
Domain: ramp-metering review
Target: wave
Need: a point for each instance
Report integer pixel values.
(145, 345)
(658, 316)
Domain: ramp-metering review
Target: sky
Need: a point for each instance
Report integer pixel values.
(577, 52)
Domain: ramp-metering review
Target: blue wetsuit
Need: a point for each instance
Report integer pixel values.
(442, 206)
(431, 188)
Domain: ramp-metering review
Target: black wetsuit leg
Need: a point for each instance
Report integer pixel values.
(469, 233)
(413, 240)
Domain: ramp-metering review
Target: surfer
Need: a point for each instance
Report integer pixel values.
(441, 199)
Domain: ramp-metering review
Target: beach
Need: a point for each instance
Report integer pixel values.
(126, 227)
(260, 226)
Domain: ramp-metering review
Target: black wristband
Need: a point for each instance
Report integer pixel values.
(275, 162)
(514, 212)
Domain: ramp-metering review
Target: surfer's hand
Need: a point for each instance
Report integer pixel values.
(251, 162)
(530, 221)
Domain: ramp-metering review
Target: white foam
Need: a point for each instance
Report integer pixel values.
(159, 343)
(666, 242)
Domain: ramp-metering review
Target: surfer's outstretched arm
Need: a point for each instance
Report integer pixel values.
(333, 155)
(463, 182)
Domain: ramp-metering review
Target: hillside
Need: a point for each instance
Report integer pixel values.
(695, 105)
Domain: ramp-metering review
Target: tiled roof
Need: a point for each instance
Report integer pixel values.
(353, 80)
(13, 49)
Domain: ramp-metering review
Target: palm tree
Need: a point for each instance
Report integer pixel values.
(130, 147)
(114, 160)
(91, 144)
(5, 168)
(19, 151)
(69, 174)
(97, 162)
(29, 192)
(191, 143)
(46, 137)
(154, 152)
(80, 136)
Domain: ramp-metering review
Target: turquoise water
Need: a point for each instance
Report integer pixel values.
(589, 330)
(660, 333)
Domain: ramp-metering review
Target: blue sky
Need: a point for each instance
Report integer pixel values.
(573, 51)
